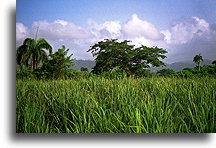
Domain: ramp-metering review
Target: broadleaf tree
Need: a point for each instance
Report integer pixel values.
(84, 69)
(113, 55)
(58, 64)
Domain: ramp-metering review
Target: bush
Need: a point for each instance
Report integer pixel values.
(41, 74)
(72, 74)
(194, 71)
(114, 75)
(85, 69)
(144, 73)
(89, 75)
(209, 70)
(165, 72)
(25, 74)
(184, 74)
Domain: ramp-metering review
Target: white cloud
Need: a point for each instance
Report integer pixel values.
(167, 35)
(58, 33)
(183, 39)
(109, 29)
(135, 30)
(189, 37)
(22, 32)
(59, 30)
(62, 22)
(185, 31)
(138, 41)
(113, 27)
(138, 28)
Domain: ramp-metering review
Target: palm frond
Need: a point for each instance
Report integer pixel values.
(43, 44)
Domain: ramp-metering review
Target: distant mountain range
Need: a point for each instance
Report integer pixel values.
(83, 63)
(176, 66)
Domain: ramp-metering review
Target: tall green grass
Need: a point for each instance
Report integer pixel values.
(144, 105)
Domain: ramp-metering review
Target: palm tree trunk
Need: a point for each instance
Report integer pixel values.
(198, 66)
(32, 65)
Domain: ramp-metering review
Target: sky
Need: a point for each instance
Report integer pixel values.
(183, 27)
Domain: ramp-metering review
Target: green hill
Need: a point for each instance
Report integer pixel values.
(83, 63)
(176, 66)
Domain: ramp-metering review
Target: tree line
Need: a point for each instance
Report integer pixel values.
(114, 59)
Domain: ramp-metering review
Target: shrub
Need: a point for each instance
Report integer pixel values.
(72, 74)
(89, 75)
(114, 75)
(165, 72)
(24, 74)
(85, 69)
(184, 74)
(194, 71)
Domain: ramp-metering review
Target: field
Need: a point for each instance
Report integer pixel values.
(99, 105)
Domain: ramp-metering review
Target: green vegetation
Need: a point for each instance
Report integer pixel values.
(112, 55)
(113, 60)
(197, 59)
(120, 94)
(165, 72)
(128, 105)
(32, 53)
(84, 69)
(58, 65)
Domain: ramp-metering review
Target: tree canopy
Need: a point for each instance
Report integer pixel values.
(58, 64)
(112, 55)
(84, 69)
(165, 72)
(31, 53)
(214, 62)
(114, 59)
(197, 59)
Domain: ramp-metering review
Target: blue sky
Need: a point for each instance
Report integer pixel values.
(162, 19)
(156, 11)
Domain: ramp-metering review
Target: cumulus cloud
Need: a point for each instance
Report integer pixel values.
(58, 33)
(138, 41)
(185, 31)
(183, 40)
(108, 29)
(22, 32)
(198, 45)
(138, 28)
(189, 37)
(60, 30)
(113, 27)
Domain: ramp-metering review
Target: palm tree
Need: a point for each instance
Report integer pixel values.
(31, 53)
(197, 59)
